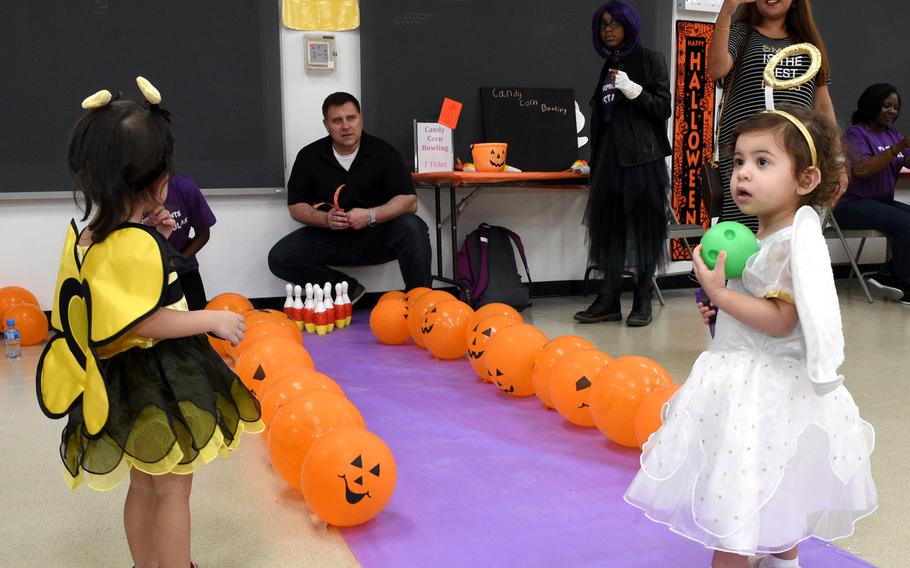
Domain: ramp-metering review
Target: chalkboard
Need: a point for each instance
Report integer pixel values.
(416, 52)
(538, 125)
(216, 63)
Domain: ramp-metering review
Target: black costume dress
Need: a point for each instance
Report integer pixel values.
(626, 210)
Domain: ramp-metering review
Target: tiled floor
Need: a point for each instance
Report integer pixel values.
(244, 515)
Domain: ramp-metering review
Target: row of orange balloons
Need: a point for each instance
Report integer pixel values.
(622, 397)
(317, 440)
(19, 304)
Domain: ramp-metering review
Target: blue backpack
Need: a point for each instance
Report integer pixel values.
(487, 271)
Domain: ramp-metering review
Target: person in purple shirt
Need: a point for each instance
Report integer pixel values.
(190, 211)
(877, 152)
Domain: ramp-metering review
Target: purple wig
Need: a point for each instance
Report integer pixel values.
(628, 17)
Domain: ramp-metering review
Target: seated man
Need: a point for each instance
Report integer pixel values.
(355, 196)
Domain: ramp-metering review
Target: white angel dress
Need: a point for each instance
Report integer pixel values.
(763, 447)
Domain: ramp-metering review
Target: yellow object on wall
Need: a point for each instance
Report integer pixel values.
(324, 15)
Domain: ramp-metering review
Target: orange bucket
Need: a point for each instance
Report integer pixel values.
(489, 156)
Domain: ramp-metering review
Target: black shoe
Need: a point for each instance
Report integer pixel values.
(357, 293)
(640, 315)
(886, 284)
(603, 309)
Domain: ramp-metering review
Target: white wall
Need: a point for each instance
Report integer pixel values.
(549, 221)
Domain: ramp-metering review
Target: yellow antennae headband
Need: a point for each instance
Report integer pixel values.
(802, 129)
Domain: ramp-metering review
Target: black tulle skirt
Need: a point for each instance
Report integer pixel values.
(172, 408)
(626, 214)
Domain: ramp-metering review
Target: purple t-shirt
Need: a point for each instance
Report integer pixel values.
(862, 143)
(189, 210)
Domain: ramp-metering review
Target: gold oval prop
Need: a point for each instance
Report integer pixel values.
(815, 63)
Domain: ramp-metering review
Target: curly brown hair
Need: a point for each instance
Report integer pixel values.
(825, 135)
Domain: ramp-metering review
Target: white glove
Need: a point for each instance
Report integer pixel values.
(627, 86)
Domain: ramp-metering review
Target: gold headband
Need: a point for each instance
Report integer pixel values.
(803, 130)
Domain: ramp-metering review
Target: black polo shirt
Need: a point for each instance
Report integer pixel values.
(377, 175)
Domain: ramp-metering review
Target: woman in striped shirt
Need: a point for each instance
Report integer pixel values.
(747, 34)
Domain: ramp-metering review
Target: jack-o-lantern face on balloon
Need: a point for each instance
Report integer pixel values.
(510, 357)
(348, 476)
(443, 329)
(480, 334)
(570, 384)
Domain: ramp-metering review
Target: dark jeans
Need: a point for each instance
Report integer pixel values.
(303, 255)
(891, 218)
(193, 290)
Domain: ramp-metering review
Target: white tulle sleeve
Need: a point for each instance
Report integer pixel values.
(768, 274)
(816, 301)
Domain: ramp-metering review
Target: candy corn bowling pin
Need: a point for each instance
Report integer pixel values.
(340, 307)
(349, 307)
(309, 310)
(321, 316)
(297, 315)
(329, 306)
(289, 301)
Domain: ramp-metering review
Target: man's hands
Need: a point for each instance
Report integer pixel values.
(356, 219)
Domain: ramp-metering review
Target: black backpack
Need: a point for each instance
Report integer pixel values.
(487, 271)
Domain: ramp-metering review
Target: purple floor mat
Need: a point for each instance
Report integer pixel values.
(488, 480)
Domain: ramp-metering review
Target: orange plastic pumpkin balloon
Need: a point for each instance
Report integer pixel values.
(444, 328)
(299, 422)
(263, 330)
(479, 338)
(254, 317)
(392, 295)
(413, 294)
(348, 476)
(220, 346)
(30, 320)
(510, 356)
(570, 384)
(291, 385)
(231, 302)
(12, 295)
(389, 321)
(419, 310)
(270, 355)
(548, 357)
(619, 390)
(648, 419)
(494, 309)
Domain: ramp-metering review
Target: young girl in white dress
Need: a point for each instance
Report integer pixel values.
(763, 447)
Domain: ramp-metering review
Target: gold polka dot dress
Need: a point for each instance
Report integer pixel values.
(751, 458)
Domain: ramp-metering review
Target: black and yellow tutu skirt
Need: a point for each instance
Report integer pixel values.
(172, 407)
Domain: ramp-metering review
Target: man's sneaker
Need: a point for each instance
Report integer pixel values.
(905, 300)
(357, 293)
(887, 285)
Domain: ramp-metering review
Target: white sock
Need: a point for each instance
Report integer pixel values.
(771, 561)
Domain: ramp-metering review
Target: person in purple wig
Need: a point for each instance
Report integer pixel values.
(626, 212)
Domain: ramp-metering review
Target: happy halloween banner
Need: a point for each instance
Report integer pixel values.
(693, 125)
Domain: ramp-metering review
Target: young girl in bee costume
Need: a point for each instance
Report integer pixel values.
(144, 394)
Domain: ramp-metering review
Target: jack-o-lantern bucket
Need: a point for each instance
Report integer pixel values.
(490, 156)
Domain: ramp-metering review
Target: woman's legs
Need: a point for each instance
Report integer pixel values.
(728, 560)
(892, 218)
(157, 519)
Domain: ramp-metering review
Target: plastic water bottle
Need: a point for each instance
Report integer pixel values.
(11, 338)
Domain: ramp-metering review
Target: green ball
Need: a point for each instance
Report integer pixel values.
(735, 238)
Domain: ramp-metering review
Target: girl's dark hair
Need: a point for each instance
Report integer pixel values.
(800, 26)
(825, 135)
(116, 154)
(631, 26)
(869, 105)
